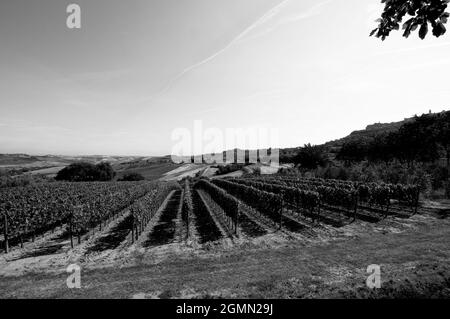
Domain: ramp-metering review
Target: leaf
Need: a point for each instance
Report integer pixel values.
(423, 30)
(407, 33)
(407, 24)
(439, 29)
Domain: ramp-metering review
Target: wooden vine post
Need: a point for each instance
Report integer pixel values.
(187, 223)
(70, 230)
(185, 208)
(388, 204)
(319, 207)
(132, 231)
(5, 230)
(281, 209)
(417, 197)
(236, 219)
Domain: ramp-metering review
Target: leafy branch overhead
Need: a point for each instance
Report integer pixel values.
(419, 14)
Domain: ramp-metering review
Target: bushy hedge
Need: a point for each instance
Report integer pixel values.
(225, 169)
(131, 177)
(86, 172)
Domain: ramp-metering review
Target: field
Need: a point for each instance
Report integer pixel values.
(269, 236)
(151, 171)
(150, 167)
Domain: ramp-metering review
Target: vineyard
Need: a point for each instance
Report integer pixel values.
(201, 210)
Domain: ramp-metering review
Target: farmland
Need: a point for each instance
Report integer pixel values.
(269, 226)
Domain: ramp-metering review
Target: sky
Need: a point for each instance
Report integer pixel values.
(139, 70)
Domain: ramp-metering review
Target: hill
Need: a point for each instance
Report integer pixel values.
(16, 164)
(156, 167)
(371, 131)
(149, 167)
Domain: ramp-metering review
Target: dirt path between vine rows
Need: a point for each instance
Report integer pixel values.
(413, 253)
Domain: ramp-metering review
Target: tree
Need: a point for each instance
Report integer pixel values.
(353, 151)
(86, 172)
(310, 157)
(131, 177)
(422, 139)
(382, 147)
(421, 13)
(104, 172)
(414, 141)
(442, 129)
(417, 140)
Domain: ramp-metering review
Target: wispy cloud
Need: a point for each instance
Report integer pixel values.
(24, 125)
(292, 18)
(269, 15)
(243, 36)
(311, 12)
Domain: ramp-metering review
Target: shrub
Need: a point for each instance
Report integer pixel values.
(22, 180)
(86, 172)
(393, 172)
(131, 177)
(447, 188)
(288, 171)
(439, 177)
(225, 169)
(310, 157)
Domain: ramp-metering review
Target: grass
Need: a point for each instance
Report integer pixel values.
(150, 171)
(414, 263)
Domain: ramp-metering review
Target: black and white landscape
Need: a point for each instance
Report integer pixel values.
(234, 149)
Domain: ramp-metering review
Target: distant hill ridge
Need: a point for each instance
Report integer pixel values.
(370, 131)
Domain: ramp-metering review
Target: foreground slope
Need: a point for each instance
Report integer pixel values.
(413, 254)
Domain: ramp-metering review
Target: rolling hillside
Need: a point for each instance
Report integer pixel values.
(370, 131)
(157, 166)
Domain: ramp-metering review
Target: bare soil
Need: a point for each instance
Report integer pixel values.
(324, 261)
